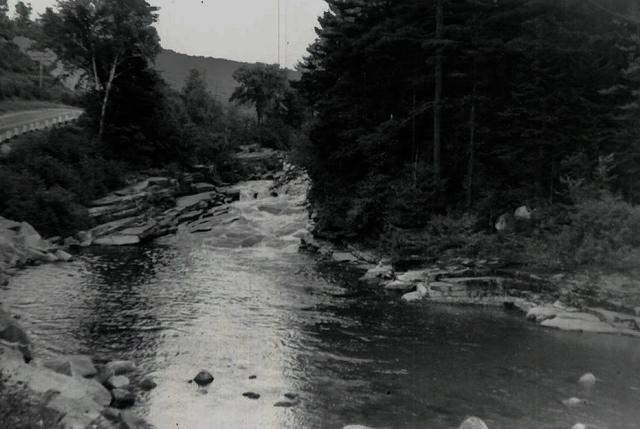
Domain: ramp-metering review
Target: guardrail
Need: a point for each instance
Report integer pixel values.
(42, 124)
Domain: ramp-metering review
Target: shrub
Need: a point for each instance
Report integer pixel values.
(48, 176)
(602, 230)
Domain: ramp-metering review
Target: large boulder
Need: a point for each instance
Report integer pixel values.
(505, 223)
(399, 286)
(473, 423)
(375, 275)
(344, 257)
(522, 213)
(119, 367)
(542, 312)
(78, 365)
(78, 412)
(117, 382)
(12, 332)
(122, 398)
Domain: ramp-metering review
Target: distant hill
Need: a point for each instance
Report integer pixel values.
(218, 72)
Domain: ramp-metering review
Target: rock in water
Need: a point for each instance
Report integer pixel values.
(63, 256)
(121, 366)
(290, 401)
(122, 398)
(12, 332)
(587, 380)
(79, 365)
(147, 383)
(128, 420)
(412, 296)
(59, 365)
(204, 378)
(473, 423)
(573, 402)
(117, 382)
(522, 213)
(251, 395)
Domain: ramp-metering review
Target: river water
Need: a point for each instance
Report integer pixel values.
(241, 301)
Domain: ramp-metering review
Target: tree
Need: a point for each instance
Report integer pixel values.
(23, 14)
(99, 37)
(5, 22)
(261, 85)
(201, 107)
(504, 93)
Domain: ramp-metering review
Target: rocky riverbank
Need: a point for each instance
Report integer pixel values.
(583, 302)
(74, 391)
(65, 391)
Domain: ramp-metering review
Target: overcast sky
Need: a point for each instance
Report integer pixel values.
(245, 30)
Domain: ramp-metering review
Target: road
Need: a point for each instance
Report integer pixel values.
(16, 123)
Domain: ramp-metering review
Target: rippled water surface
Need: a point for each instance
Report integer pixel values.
(241, 301)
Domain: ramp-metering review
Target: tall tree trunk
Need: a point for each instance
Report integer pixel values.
(471, 159)
(437, 98)
(414, 146)
(105, 100)
(96, 79)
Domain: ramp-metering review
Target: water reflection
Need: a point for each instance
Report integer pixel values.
(351, 354)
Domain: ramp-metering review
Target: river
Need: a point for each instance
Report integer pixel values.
(241, 301)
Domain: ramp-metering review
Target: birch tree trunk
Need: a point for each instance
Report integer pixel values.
(105, 100)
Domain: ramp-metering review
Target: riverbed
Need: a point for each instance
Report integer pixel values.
(242, 302)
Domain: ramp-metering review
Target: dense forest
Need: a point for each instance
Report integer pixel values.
(423, 125)
(433, 118)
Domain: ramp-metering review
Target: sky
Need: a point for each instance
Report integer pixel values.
(244, 30)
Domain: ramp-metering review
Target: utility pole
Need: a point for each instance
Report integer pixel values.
(437, 98)
(278, 33)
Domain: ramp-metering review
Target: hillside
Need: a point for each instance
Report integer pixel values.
(218, 72)
(20, 74)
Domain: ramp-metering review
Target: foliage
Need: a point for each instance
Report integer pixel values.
(19, 74)
(102, 38)
(48, 177)
(262, 86)
(527, 100)
(279, 109)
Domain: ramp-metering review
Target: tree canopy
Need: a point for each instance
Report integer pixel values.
(503, 99)
(102, 38)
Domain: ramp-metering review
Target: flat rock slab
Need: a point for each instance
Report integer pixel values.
(193, 200)
(117, 240)
(428, 274)
(203, 187)
(344, 257)
(578, 322)
(79, 409)
(399, 286)
(79, 365)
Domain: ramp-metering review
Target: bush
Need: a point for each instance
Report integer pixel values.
(602, 230)
(48, 177)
